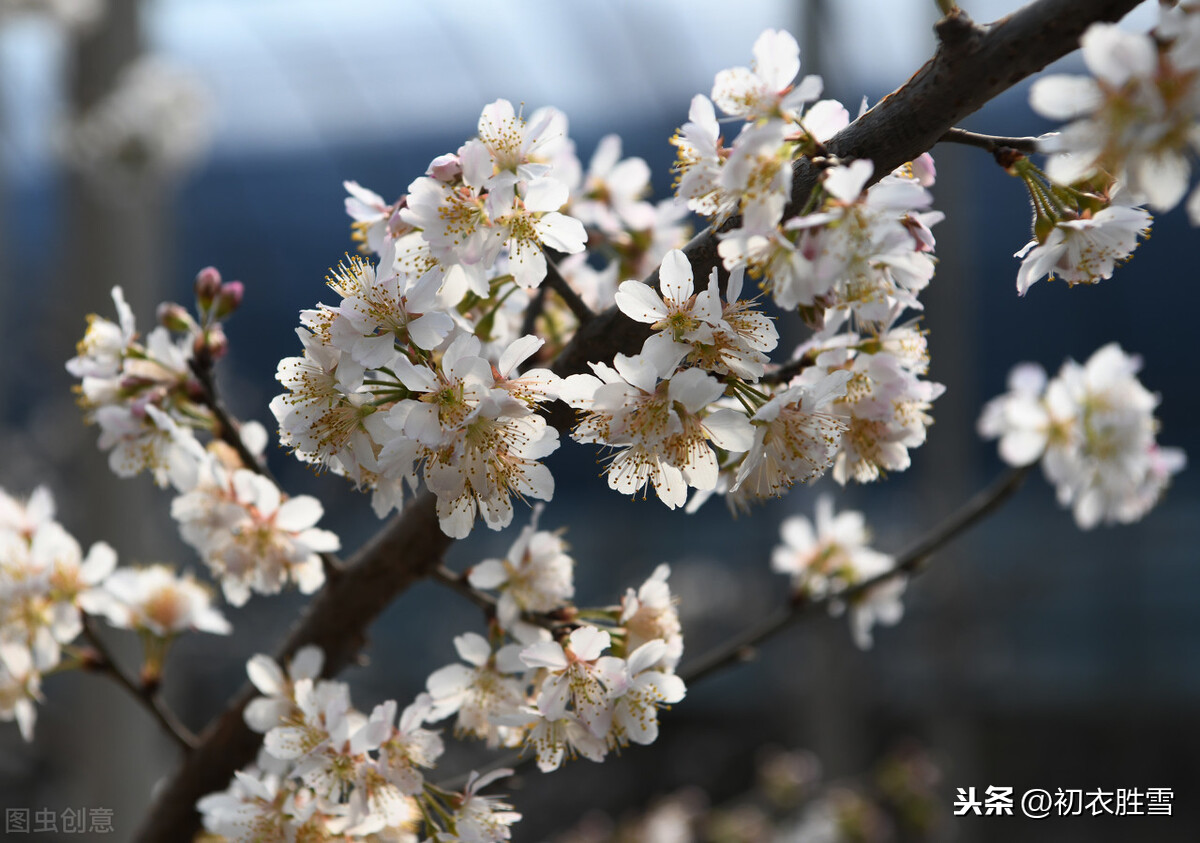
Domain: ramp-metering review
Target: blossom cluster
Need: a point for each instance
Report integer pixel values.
(327, 771)
(1135, 118)
(547, 681)
(47, 585)
(150, 403)
(1094, 431)
(138, 394)
(700, 406)
(1133, 128)
(542, 680)
(413, 375)
(831, 554)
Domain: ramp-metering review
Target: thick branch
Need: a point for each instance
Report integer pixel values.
(963, 75)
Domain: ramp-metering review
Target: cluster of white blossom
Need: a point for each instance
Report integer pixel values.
(251, 537)
(138, 393)
(329, 772)
(831, 555)
(1136, 118)
(148, 403)
(541, 680)
(46, 586)
(561, 695)
(1093, 428)
(854, 261)
(413, 375)
(1135, 123)
(480, 220)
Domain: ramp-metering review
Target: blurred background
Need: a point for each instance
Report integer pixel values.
(141, 140)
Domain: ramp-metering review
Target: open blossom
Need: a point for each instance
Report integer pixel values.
(653, 419)
(485, 693)
(700, 156)
(45, 582)
(643, 689)
(825, 558)
(137, 394)
(859, 251)
(266, 712)
(1135, 118)
(885, 405)
(484, 819)
(796, 438)
(1094, 430)
(1083, 250)
(766, 89)
(534, 576)
(250, 536)
(155, 599)
(649, 614)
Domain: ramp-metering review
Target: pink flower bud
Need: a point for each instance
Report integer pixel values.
(445, 168)
(207, 287)
(230, 299)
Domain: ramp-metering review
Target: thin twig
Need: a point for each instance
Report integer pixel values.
(147, 697)
(972, 512)
(455, 582)
(991, 143)
(565, 292)
(227, 430)
(226, 425)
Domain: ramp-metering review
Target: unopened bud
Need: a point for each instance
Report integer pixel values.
(216, 342)
(207, 287)
(229, 299)
(174, 317)
(445, 168)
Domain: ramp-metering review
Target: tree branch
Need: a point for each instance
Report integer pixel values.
(957, 81)
(102, 661)
(566, 292)
(910, 561)
(989, 142)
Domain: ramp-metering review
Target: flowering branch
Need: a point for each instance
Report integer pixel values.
(963, 75)
(989, 142)
(740, 649)
(226, 426)
(146, 694)
(912, 561)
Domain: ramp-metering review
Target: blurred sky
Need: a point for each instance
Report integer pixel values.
(305, 73)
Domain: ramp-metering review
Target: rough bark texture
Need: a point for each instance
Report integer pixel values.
(973, 64)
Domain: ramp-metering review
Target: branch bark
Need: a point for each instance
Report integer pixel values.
(972, 65)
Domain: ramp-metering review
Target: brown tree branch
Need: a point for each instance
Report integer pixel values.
(102, 661)
(964, 74)
(989, 142)
(910, 561)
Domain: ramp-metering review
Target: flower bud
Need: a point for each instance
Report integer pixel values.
(445, 168)
(174, 317)
(207, 287)
(212, 343)
(229, 299)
